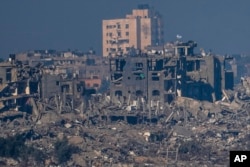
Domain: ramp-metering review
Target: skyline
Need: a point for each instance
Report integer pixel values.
(61, 25)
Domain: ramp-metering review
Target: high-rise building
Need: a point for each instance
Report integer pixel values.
(142, 28)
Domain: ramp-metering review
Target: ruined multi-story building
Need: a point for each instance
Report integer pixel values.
(88, 66)
(18, 83)
(142, 28)
(156, 79)
(38, 88)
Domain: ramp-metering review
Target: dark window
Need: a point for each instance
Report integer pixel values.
(127, 33)
(96, 85)
(138, 93)
(126, 26)
(79, 88)
(190, 65)
(118, 93)
(155, 93)
(155, 78)
(168, 98)
(119, 34)
(139, 64)
(65, 88)
(113, 49)
(8, 74)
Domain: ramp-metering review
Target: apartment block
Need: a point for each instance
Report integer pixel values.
(142, 28)
(156, 79)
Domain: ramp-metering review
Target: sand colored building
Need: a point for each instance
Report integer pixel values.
(142, 28)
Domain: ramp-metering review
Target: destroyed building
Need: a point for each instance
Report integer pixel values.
(108, 135)
(37, 89)
(158, 78)
(18, 83)
(85, 65)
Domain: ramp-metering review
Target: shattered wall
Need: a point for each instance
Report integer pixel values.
(159, 78)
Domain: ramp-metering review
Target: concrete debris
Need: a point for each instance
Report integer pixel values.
(67, 125)
(123, 127)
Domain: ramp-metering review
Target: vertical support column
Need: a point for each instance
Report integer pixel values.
(126, 118)
(27, 89)
(176, 155)
(186, 51)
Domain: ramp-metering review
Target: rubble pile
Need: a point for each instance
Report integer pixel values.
(158, 108)
(67, 124)
(197, 133)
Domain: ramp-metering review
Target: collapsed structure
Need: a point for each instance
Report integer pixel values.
(18, 83)
(160, 77)
(41, 82)
(145, 81)
(46, 103)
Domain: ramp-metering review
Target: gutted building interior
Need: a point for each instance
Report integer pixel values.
(159, 78)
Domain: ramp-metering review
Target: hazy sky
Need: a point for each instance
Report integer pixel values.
(220, 25)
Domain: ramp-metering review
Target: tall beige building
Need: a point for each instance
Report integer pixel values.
(142, 28)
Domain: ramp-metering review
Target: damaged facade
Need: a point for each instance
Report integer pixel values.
(18, 83)
(42, 81)
(51, 103)
(160, 77)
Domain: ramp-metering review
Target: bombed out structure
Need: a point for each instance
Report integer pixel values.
(158, 78)
(18, 84)
(36, 89)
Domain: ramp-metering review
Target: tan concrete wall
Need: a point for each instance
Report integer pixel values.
(145, 36)
(125, 35)
(138, 34)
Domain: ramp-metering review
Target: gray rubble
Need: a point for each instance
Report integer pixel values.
(198, 134)
(113, 131)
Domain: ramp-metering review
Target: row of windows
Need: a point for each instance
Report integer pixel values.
(119, 49)
(116, 26)
(110, 34)
(117, 41)
(113, 49)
